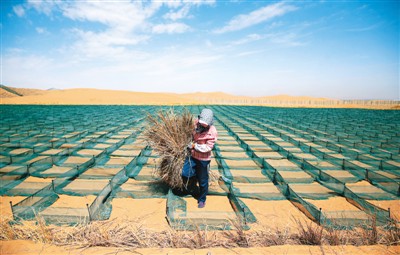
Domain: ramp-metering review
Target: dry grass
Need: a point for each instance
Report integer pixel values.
(132, 234)
(309, 233)
(391, 234)
(370, 232)
(169, 133)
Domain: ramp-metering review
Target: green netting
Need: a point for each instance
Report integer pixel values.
(84, 143)
(328, 180)
(8, 183)
(383, 182)
(180, 218)
(100, 209)
(369, 191)
(141, 189)
(30, 207)
(262, 191)
(381, 215)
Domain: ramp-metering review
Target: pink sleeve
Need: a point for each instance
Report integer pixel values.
(213, 137)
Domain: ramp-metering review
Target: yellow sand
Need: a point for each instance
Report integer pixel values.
(394, 206)
(105, 97)
(151, 212)
(73, 201)
(333, 204)
(5, 207)
(22, 247)
(37, 179)
(275, 214)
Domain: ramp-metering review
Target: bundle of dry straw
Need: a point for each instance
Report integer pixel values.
(169, 133)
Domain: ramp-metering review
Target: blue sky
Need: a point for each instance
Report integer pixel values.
(334, 49)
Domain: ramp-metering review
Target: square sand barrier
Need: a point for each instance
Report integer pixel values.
(263, 191)
(282, 164)
(275, 215)
(394, 206)
(217, 212)
(147, 173)
(56, 171)
(5, 207)
(126, 153)
(82, 187)
(343, 176)
(312, 191)
(234, 154)
(100, 172)
(89, 152)
(68, 210)
(366, 190)
(269, 155)
(340, 212)
(296, 176)
(242, 163)
(149, 212)
(248, 176)
(29, 186)
(11, 168)
(142, 189)
(118, 161)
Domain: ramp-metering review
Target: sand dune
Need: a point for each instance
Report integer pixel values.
(95, 96)
(5, 94)
(118, 97)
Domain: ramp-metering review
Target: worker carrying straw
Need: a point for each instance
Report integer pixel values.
(196, 166)
(183, 146)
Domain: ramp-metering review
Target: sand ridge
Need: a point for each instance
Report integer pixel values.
(88, 96)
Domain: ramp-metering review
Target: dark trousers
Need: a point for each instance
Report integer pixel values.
(202, 178)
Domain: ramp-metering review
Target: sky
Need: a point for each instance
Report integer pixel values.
(332, 49)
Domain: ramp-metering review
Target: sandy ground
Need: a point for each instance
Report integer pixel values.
(333, 204)
(274, 214)
(5, 208)
(86, 185)
(241, 163)
(394, 206)
(150, 211)
(29, 247)
(73, 201)
(97, 96)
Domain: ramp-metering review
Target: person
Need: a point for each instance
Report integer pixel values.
(204, 137)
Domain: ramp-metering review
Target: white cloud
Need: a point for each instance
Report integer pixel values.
(363, 29)
(110, 44)
(19, 10)
(41, 30)
(255, 17)
(45, 6)
(248, 53)
(18, 61)
(171, 28)
(127, 23)
(285, 38)
(123, 16)
(248, 39)
(180, 14)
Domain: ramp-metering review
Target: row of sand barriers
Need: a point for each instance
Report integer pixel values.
(265, 156)
(87, 157)
(322, 178)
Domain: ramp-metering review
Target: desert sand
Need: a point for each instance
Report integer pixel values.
(272, 214)
(85, 96)
(153, 217)
(30, 247)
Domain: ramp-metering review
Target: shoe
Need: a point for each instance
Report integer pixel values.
(201, 204)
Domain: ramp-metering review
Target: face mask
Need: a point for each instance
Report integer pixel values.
(200, 128)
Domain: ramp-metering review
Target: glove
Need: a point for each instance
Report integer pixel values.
(190, 146)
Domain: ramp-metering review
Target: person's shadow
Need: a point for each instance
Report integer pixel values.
(190, 188)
